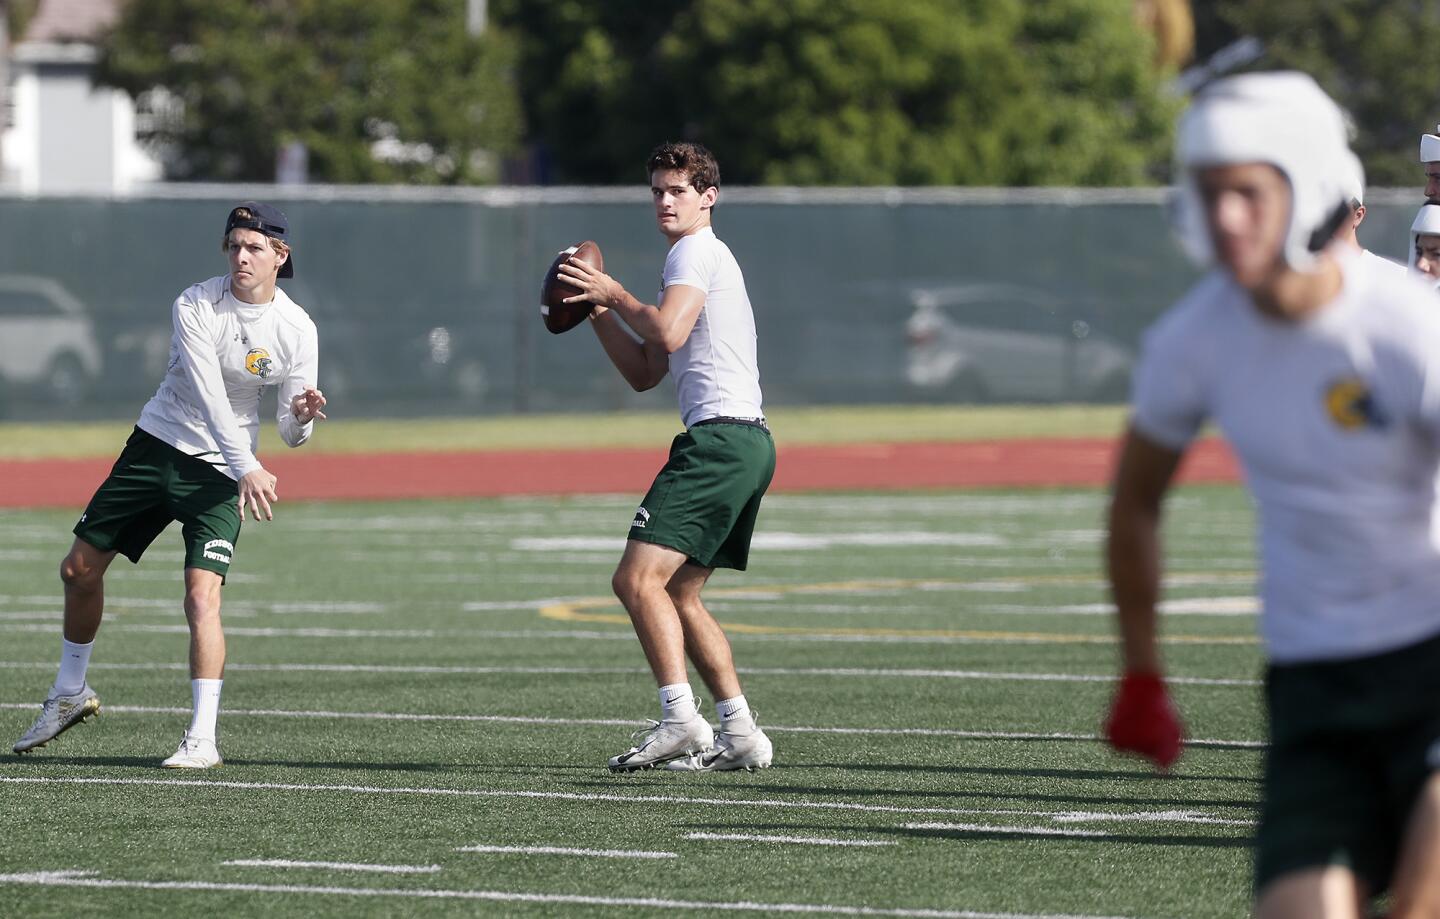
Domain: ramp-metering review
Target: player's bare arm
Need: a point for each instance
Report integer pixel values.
(1133, 549)
(308, 406)
(667, 325)
(641, 364)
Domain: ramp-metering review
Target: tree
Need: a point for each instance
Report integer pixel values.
(970, 92)
(376, 90)
(1371, 56)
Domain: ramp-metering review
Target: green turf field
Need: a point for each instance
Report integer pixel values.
(432, 689)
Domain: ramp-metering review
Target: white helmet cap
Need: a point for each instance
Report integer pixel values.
(1430, 147)
(1427, 223)
(1284, 119)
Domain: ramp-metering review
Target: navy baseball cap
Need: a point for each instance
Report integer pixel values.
(267, 220)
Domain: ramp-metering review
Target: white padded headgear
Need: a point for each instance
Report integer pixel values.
(1427, 223)
(1284, 119)
(1430, 147)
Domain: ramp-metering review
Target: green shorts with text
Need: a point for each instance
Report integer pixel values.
(704, 502)
(151, 484)
(1352, 743)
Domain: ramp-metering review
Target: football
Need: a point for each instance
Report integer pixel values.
(560, 316)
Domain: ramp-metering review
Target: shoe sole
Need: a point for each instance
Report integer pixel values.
(749, 767)
(88, 710)
(188, 766)
(653, 764)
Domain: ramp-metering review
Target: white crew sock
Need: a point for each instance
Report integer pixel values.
(74, 661)
(677, 702)
(735, 715)
(206, 694)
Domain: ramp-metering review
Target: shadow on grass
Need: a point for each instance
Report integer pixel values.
(992, 834)
(935, 797)
(1144, 774)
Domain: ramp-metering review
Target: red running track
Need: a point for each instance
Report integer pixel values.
(379, 476)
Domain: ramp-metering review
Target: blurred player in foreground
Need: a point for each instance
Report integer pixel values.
(192, 459)
(1324, 375)
(700, 512)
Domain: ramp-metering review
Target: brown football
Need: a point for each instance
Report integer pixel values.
(560, 316)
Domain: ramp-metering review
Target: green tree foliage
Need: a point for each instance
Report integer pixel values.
(969, 92)
(1372, 56)
(338, 75)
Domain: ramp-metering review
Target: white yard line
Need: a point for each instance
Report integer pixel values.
(796, 840)
(619, 635)
(88, 879)
(562, 850)
(677, 800)
(618, 722)
(1009, 830)
(915, 673)
(333, 866)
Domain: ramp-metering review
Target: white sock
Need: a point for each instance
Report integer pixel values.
(735, 713)
(677, 702)
(74, 661)
(206, 694)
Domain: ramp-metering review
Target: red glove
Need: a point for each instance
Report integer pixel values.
(1143, 720)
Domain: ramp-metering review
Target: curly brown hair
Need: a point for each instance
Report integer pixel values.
(694, 160)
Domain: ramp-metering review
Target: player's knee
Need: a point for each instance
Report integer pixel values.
(201, 605)
(625, 584)
(77, 572)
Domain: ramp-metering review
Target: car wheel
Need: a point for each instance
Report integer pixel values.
(66, 382)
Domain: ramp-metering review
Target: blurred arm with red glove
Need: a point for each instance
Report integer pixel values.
(1142, 718)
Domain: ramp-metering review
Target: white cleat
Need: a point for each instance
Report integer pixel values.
(58, 715)
(194, 753)
(663, 742)
(732, 751)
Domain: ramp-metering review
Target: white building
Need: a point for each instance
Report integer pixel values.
(65, 135)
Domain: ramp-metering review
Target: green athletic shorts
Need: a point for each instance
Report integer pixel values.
(1352, 743)
(704, 502)
(151, 484)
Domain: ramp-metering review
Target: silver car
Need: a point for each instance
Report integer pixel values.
(48, 348)
(1006, 343)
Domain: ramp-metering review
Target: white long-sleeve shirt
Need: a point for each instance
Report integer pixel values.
(223, 354)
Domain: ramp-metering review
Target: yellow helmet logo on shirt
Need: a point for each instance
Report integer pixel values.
(1352, 406)
(258, 362)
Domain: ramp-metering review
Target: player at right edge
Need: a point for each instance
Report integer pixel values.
(700, 512)
(1322, 370)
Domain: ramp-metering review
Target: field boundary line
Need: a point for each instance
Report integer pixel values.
(917, 673)
(622, 722)
(231, 785)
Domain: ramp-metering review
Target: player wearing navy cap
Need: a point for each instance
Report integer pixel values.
(192, 458)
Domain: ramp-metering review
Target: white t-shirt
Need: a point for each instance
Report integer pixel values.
(222, 354)
(1383, 263)
(1336, 421)
(715, 371)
